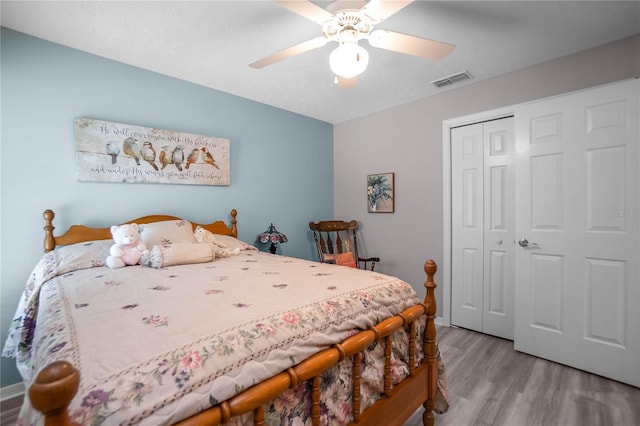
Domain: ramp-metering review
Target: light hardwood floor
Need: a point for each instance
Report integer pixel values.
(491, 384)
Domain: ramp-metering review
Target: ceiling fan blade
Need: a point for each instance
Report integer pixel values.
(338, 5)
(314, 43)
(379, 10)
(410, 45)
(307, 9)
(347, 83)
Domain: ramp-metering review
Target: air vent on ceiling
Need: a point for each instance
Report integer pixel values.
(454, 78)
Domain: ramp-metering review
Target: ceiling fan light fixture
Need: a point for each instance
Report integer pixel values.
(349, 60)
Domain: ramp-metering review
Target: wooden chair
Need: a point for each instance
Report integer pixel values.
(335, 238)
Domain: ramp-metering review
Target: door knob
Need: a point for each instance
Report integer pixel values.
(526, 244)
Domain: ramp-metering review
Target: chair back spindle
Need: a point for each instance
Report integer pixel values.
(338, 237)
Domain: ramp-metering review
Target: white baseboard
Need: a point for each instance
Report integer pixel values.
(11, 391)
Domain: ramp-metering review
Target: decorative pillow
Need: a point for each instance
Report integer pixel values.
(181, 254)
(343, 259)
(73, 257)
(167, 232)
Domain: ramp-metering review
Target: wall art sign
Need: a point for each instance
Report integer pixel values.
(380, 193)
(116, 152)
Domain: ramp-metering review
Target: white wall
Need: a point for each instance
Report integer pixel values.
(407, 140)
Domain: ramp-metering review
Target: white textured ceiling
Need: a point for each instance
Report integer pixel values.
(211, 43)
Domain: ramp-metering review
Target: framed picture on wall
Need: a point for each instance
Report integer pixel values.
(129, 153)
(380, 193)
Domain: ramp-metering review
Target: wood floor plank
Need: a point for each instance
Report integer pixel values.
(492, 384)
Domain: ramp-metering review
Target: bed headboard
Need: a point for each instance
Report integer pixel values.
(81, 233)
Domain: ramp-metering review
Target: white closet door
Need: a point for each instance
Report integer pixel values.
(482, 205)
(467, 226)
(577, 196)
(499, 228)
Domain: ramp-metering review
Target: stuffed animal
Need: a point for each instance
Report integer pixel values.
(204, 236)
(128, 248)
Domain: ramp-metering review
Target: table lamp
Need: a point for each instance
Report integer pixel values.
(273, 236)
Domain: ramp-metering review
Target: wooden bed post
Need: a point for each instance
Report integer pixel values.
(430, 348)
(49, 240)
(234, 222)
(52, 392)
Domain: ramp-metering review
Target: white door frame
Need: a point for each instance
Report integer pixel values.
(447, 125)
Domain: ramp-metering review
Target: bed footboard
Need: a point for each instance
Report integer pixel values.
(56, 385)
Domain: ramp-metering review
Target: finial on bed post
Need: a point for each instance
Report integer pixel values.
(49, 240)
(53, 390)
(234, 221)
(430, 349)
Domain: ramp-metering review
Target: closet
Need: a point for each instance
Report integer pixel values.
(545, 228)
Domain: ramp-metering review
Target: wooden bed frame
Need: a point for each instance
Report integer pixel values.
(56, 384)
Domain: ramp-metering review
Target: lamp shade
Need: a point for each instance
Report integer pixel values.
(272, 235)
(348, 60)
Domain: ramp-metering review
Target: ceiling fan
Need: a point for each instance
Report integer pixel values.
(347, 22)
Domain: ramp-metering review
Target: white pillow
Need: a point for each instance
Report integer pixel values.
(166, 232)
(181, 254)
(88, 254)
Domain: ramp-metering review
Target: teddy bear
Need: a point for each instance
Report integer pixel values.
(128, 248)
(202, 235)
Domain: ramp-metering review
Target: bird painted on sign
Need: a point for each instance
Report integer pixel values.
(177, 156)
(149, 154)
(113, 150)
(165, 156)
(193, 157)
(208, 158)
(130, 147)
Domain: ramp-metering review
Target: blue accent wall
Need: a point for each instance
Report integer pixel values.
(281, 162)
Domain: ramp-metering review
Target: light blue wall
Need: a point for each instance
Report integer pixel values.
(278, 158)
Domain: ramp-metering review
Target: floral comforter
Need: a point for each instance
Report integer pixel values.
(157, 345)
